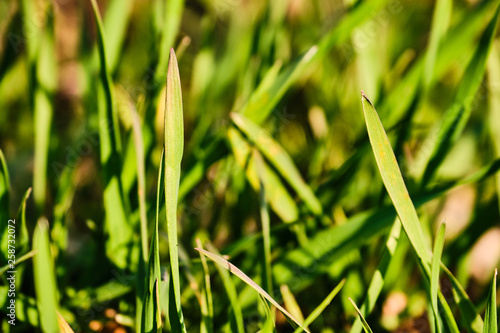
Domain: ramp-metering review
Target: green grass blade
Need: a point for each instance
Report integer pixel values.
(174, 146)
(366, 327)
(279, 198)
(440, 21)
(236, 271)
(455, 118)
(171, 24)
(473, 321)
(320, 308)
(377, 282)
(151, 312)
(436, 260)
(116, 20)
(45, 280)
(280, 160)
(393, 181)
(395, 186)
(119, 243)
(490, 316)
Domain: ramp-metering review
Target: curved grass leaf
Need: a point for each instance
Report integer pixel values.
(395, 186)
(174, 146)
(320, 308)
(279, 159)
(236, 271)
(207, 307)
(4, 206)
(22, 236)
(393, 181)
(120, 234)
(490, 316)
(45, 280)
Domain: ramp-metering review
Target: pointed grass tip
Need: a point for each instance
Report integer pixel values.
(364, 97)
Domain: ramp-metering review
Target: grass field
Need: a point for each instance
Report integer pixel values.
(249, 166)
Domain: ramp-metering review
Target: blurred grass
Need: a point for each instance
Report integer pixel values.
(266, 161)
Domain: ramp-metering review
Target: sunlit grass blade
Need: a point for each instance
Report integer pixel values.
(377, 281)
(63, 201)
(279, 198)
(236, 271)
(279, 158)
(207, 307)
(119, 231)
(436, 261)
(63, 324)
(151, 313)
(456, 117)
(174, 146)
(366, 327)
(393, 181)
(45, 280)
(320, 308)
(395, 186)
(469, 316)
(490, 316)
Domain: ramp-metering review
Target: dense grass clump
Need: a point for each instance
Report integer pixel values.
(249, 166)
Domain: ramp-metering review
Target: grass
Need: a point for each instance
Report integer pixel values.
(207, 166)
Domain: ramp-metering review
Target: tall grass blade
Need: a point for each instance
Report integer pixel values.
(151, 313)
(436, 261)
(456, 117)
(490, 316)
(280, 160)
(236, 271)
(320, 308)
(45, 280)
(393, 181)
(494, 101)
(174, 146)
(119, 231)
(366, 327)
